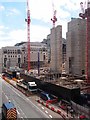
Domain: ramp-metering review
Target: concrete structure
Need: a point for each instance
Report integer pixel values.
(36, 48)
(47, 42)
(76, 40)
(63, 50)
(0, 60)
(56, 49)
(12, 56)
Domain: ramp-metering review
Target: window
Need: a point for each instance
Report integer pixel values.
(44, 57)
(5, 51)
(18, 51)
(5, 56)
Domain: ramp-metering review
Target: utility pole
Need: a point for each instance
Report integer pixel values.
(38, 63)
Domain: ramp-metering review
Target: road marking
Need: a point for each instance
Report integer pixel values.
(18, 112)
(6, 97)
(26, 100)
(3, 92)
(12, 89)
(18, 108)
(50, 116)
(43, 108)
(46, 111)
(38, 109)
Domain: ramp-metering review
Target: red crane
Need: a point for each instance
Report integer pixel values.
(28, 34)
(86, 14)
(54, 19)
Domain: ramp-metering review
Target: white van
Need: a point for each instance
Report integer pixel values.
(32, 86)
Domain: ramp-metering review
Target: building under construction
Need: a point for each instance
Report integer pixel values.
(56, 49)
(76, 52)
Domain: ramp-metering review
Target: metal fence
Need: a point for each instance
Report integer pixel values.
(80, 109)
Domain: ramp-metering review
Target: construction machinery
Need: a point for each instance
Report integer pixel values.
(28, 34)
(86, 15)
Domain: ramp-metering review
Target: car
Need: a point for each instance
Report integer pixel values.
(48, 97)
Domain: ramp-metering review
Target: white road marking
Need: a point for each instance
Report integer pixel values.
(46, 111)
(3, 92)
(21, 117)
(43, 108)
(6, 97)
(50, 116)
(26, 100)
(18, 112)
(17, 106)
(12, 89)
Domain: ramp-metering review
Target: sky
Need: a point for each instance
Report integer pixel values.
(13, 28)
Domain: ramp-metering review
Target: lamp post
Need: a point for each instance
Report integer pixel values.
(38, 63)
(67, 111)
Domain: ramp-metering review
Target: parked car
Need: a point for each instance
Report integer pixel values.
(48, 97)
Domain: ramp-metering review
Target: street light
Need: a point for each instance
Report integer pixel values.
(38, 63)
(67, 110)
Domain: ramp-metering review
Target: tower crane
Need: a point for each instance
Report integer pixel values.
(54, 19)
(83, 11)
(86, 14)
(28, 34)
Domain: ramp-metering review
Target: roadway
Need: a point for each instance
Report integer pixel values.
(26, 106)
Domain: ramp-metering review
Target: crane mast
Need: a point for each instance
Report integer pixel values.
(86, 14)
(28, 35)
(54, 19)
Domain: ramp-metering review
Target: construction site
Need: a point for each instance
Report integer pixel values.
(67, 77)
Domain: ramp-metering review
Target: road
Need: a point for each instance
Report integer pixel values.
(26, 107)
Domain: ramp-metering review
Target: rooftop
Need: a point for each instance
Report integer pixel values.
(9, 105)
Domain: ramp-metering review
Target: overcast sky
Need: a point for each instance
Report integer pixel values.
(13, 27)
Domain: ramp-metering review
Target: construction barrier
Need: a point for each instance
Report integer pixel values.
(14, 79)
(6, 79)
(47, 105)
(58, 111)
(24, 92)
(53, 109)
